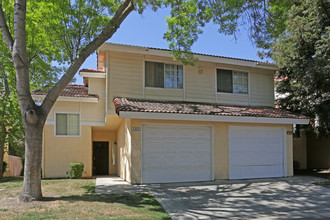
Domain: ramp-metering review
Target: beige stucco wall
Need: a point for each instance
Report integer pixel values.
(300, 150)
(126, 79)
(95, 112)
(124, 150)
(221, 146)
(89, 112)
(59, 152)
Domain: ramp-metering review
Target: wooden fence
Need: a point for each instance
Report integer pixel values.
(14, 165)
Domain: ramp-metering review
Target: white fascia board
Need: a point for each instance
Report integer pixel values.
(92, 123)
(92, 75)
(166, 53)
(49, 122)
(83, 123)
(68, 99)
(213, 118)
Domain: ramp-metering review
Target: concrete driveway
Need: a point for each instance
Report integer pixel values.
(279, 198)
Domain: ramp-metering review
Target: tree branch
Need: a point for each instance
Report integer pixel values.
(5, 30)
(123, 11)
(19, 31)
(19, 55)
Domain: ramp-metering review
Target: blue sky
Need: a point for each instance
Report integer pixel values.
(148, 29)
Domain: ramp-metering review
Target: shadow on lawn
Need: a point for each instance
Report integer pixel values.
(138, 200)
(11, 179)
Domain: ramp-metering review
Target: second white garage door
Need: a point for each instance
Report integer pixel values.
(176, 153)
(256, 152)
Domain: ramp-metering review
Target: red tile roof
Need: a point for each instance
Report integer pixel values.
(71, 90)
(180, 107)
(91, 71)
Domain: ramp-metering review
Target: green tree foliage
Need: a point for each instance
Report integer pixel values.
(43, 75)
(302, 52)
(296, 35)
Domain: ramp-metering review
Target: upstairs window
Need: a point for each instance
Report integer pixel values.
(162, 75)
(230, 81)
(67, 124)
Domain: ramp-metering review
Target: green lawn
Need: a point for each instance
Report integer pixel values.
(76, 199)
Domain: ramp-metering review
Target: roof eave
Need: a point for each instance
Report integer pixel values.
(68, 99)
(210, 118)
(167, 53)
(93, 74)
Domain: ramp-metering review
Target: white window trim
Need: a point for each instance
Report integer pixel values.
(60, 112)
(231, 93)
(156, 88)
(162, 88)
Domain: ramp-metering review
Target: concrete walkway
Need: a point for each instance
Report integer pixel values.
(279, 198)
(116, 185)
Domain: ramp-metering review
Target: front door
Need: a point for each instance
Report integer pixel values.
(100, 158)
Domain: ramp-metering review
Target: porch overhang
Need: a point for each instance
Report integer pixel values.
(195, 111)
(210, 118)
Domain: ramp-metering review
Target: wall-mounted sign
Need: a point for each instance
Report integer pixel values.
(136, 129)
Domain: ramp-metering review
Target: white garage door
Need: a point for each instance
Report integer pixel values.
(176, 153)
(256, 152)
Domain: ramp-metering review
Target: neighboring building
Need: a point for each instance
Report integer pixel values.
(149, 119)
(311, 152)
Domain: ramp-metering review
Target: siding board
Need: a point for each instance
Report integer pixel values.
(126, 75)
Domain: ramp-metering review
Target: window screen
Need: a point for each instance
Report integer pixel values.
(229, 81)
(67, 124)
(154, 74)
(162, 75)
(224, 81)
(61, 124)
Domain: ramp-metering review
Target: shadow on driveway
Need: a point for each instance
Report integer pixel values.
(279, 198)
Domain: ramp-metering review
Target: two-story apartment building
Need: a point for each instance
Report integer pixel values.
(149, 119)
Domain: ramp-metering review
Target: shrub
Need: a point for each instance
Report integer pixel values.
(4, 167)
(76, 170)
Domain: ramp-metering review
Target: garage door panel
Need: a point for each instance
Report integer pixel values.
(183, 153)
(247, 172)
(255, 152)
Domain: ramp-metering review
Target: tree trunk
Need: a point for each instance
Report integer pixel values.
(33, 116)
(33, 154)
